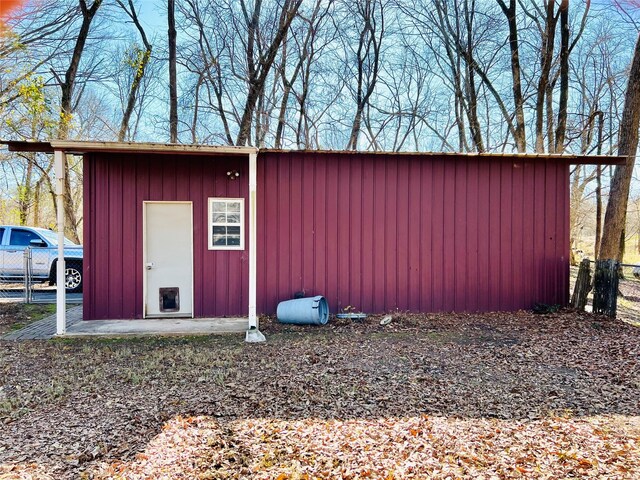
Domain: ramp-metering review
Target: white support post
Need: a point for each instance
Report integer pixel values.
(253, 334)
(61, 312)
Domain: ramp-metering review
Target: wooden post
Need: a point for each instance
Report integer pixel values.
(583, 285)
(605, 287)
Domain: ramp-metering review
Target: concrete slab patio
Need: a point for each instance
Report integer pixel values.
(158, 326)
(76, 327)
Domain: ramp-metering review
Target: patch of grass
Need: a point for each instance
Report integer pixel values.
(38, 311)
(14, 316)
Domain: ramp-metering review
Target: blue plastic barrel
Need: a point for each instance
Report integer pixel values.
(304, 311)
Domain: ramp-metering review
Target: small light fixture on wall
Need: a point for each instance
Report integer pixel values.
(233, 174)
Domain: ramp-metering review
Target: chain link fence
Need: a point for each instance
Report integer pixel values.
(628, 294)
(17, 282)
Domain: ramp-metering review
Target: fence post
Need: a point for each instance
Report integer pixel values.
(605, 287)
(27, 275)
(583, 286)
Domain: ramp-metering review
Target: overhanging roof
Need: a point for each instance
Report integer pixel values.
(81, 147)
(561, 157)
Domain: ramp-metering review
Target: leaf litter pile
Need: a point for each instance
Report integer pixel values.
(427, 396)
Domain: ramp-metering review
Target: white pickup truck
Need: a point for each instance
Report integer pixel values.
(44, 253)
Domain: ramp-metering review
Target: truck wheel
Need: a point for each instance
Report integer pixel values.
(73, 277)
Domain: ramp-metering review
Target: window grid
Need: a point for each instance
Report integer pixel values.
(226, 224)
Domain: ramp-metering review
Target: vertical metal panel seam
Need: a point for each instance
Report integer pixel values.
(326, 230)
(385, 243)
(500, 246)
(374, 238)
(565, 240)
(466, 234)
(454, 224)
(315, 221)
(420, 231)
(121, 187)
(397, 231)
(475, 281)
(512, 279)
(409, 234)
(545, 252)
(349, 172)
(290, 216)
(278, 221)
(522, 240)
(361, 249)
(108, 223)
(432, 180)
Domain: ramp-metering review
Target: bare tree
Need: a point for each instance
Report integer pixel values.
(66, 107)
(615, 215)
(520, 136)
(304, 39)
(371, 15)
(173, 81)
(260, 57)
(139, 60)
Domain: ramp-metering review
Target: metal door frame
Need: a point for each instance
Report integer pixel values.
(144, 257)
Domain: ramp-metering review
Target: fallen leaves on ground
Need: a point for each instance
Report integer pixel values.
(443, 396)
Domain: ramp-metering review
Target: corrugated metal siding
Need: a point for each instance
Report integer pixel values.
(379, 232)
(413, 233)
(115, 187)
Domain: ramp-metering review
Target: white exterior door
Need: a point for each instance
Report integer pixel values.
(168, 259)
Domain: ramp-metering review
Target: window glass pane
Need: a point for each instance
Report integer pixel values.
(219, 217)
(219, 207)
(233, 218)
(226, 223)
(22, 237)
(52, 237)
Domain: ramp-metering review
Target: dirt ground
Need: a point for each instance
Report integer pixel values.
(438, 396)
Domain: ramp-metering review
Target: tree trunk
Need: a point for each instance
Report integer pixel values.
(596, 253)
(368, 54)
(25, 192)
(173, 86)
(141, 61)
(582, 286)
(259, 71)
(66, 110)
(36, 203)
(472, 96)
(616, 213)
(564, 76)
(546, 58)
(518, 99)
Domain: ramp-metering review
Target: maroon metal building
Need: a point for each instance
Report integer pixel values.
(378, 231)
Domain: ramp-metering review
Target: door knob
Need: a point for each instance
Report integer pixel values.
(149, 265)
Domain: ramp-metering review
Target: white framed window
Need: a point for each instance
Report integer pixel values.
(226, 223)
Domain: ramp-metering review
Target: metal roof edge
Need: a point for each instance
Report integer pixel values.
(568, 157)
(81, 147)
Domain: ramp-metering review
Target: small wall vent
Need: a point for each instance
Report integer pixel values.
(170, 299)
